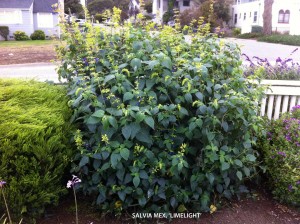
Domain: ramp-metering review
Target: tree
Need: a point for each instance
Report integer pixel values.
(74, 6)
(267, 17)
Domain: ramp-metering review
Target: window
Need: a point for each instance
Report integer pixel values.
(284, 16)
(235, 18)
(11, 17)
(281, 16)
(186, 3)
(45, 20)
(244, 16)
(176, 4)
(255, 17)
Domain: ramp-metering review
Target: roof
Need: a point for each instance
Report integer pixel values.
(43, 5)
(15, 3)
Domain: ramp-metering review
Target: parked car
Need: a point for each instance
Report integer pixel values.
(80, 22)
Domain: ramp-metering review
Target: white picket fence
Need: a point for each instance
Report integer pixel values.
(281, 97)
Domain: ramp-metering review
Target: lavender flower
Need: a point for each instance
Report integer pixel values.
(2, 183)
(290, 187)
(282, 154)
(75, 180)
(295, 108)
(298, 182)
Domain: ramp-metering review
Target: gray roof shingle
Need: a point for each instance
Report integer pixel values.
(15, 3)
(43, 5)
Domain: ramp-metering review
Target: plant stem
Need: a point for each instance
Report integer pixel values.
(8, 214)
(75, 205)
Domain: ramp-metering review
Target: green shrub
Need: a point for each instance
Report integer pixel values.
(281, 153)
(250, 35)
(165, 125)
(281, 39)
(99, 17)
(237, 31)
(4, 31)
(20, 35)
(34, 145)
(148, 7)
(256, 29)
(38, 35)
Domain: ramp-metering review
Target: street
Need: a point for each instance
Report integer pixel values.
(46, 71)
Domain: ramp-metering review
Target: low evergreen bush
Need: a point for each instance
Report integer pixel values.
(281, 152)
(38, 35)
(164, 125)
(34, 145)
(4, 31)
(20, 35)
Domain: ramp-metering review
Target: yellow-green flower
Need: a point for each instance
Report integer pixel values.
(212, 209)
(104, 138)
(118, 204)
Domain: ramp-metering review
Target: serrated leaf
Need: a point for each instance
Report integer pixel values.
(199, 96)
(136, 181)
(84, 160)
(98, 113)
(239, 175)
(108, 78)
(135, 128)
(225, 166)
(150, 122)
(139, 117)
(93, 120)
(152, 64)
(225, 126)
(251, 158)
(126, 131)
(113, 122)
(143, 174)
(136, 63)
(125, 153)
(167, 63)
(127, 96)
(238, 162)
(114, 159)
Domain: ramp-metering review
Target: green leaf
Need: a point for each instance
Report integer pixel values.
(108, 78)
(125, 153)
(126, 131)
(135, 128)
(251, 157)
(239, 175)
(93, 120)
(113, 122)
(183, 111)
(136, 63)
(225, 166)
(246, 171)
(122, 195)
(199, 96)
(167, 63)
(143, 174)
(84, 160)
(142, 201)
(210, 178)
(150, 122)
(238, 162)
(136, 181)
(225, 126)
(188, 97)
(114, 159)
(127, 96)
(98, 113)
(144, 136)
(139, 117)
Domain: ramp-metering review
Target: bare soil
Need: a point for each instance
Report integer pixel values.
(26, 54)
(261, 209)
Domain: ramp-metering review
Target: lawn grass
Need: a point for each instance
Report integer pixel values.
(28, 43)
(281, 39)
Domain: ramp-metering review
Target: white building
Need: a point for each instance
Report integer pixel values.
(285, 15)
(159, 7)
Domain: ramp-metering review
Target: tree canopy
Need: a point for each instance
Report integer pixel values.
(74, 6)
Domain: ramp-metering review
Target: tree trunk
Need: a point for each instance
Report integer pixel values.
(267, 17)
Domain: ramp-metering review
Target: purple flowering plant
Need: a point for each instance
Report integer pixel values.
(281, 69)
(281, 154)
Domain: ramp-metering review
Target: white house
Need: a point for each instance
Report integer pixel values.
(285, 15)
(159, 7)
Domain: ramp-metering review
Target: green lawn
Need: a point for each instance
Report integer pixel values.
(27, 43)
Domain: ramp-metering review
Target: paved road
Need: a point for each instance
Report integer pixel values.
(267, 50)
(46, 71)
(38, 71)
